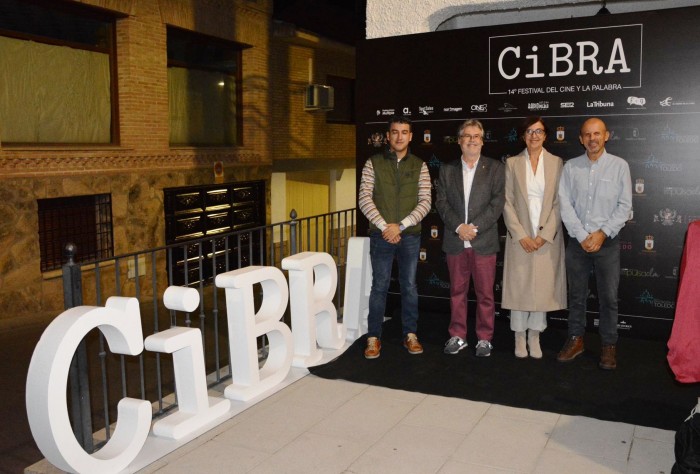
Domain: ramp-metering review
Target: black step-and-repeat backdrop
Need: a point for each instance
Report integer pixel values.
(639, 72)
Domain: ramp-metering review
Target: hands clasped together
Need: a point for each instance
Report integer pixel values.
(392, 233)
(467, 231)
(594, 241)
(531, 245)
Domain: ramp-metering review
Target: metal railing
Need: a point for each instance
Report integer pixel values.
(99, 378)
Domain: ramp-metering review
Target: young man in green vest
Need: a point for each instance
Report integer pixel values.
(395, 197)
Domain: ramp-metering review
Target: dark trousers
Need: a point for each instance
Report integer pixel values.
(605, 264)
(382, 256)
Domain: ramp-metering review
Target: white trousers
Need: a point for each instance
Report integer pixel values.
(521, 321)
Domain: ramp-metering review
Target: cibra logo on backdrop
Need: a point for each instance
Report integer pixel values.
(588, 59)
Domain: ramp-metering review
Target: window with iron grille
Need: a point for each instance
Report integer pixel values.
(85, 221)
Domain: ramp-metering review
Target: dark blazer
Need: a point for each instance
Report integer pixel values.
(486, 203)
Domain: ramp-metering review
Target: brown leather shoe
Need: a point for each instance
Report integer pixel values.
(411, 343)
(573, 347)
(374, 346)
(607, 357)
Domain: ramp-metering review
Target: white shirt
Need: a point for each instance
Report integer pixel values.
(535, 191)
(468, 180)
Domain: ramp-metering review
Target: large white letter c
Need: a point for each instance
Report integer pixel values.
(514, 49)
(120, 322)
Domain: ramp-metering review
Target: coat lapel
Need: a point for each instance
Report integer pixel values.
(550, 177)
(459, 183)
(520, 174)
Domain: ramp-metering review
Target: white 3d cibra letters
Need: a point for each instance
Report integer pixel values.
(314, 317)
(195, 407)
(245, 325)
(358, 284)
(313, 280)
(120, 322)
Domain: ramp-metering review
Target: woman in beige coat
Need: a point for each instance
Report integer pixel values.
(534, 276)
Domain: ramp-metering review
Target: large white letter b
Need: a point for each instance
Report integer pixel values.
(244, 326)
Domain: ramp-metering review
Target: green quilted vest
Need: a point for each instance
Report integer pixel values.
(396, 187)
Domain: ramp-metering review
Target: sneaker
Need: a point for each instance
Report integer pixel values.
(411, 343)
(374, 345)
(483, 348)
(454, 345)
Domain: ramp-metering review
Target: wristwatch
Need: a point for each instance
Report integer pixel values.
(402, 227)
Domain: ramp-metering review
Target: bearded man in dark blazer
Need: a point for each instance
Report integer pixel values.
(470, 199)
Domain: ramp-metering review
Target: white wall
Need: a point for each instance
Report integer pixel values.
(278, 198)
(342, 193)
(402, 17)
(343, 189)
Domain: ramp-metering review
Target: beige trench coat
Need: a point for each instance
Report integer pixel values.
(533, 281)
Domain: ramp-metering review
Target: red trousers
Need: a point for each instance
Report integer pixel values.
(482, 270)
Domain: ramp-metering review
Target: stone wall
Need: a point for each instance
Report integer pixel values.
(137, 213)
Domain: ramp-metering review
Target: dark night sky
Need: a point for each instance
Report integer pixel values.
(340, 20)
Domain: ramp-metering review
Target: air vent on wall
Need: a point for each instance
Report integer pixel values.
(319, 97)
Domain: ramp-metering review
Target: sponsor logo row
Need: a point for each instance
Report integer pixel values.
(632, 103)
(626, 272)
(630, 134)
(673, 191)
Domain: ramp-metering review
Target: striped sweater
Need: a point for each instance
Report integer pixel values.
(369, 208)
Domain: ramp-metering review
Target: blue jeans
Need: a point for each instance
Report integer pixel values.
(382, 256)
(606, 265)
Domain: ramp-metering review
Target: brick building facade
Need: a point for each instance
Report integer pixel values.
(275, 128)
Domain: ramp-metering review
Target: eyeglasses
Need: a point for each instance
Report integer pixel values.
(537, 131)
(470, 137)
